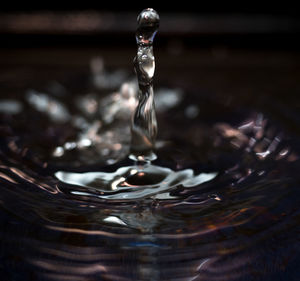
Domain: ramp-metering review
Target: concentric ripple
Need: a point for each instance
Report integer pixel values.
(135, 182)
(222, 201)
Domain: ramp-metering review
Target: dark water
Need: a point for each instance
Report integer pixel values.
(239, 222)
(220, 202)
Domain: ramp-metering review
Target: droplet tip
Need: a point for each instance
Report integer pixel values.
(148, 17)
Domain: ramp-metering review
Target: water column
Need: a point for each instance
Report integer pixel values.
(144, 125)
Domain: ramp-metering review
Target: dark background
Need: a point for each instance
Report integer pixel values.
(230, 49)
(201, 24)
(246, 55)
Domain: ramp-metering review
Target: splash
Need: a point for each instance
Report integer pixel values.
(144, 125)
(143, 179)
(220, 203)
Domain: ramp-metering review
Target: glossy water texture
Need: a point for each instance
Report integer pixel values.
(143, 179)
(144, 126)
(226, 206)
(220, 202)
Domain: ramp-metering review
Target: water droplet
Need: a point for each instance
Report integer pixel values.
(58, 152)
(148, 23)
(144, 126)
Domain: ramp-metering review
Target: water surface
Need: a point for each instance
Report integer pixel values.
(239, 222)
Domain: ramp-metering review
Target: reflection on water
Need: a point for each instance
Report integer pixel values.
(224, 204)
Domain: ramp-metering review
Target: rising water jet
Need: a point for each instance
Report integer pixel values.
(142, 179)
(143, 220)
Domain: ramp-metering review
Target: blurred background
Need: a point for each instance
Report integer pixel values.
(234, 64)
(224, 48)
(205, 25)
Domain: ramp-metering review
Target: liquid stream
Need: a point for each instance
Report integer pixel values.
(144, 125)
(220, 202)
(145, 180)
